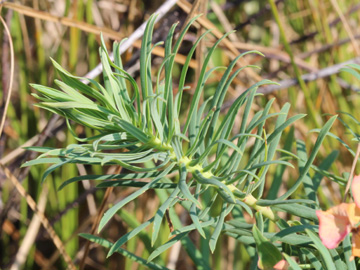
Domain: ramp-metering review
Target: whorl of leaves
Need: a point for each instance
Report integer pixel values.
(142, 125)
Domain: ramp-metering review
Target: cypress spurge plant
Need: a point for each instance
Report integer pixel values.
(215, 167)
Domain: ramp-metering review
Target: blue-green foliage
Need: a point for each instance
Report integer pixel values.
(138, 125)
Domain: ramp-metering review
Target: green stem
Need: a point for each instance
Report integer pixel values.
(250, 200)
(266, 211)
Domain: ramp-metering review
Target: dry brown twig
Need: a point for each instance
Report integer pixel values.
(223, 20)
(86, 184)
(55, 256)
(31, 233)
(346, 26)
(9, 228)
(86, 27)
(89, 28)
(12, 61)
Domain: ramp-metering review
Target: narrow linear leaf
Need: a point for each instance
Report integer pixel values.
(184, 187)
(126, 237)
(297, 210)
(109, 177)
(131, 256)
(292, 263)
(112, 211)
(52, 168)
(193, 211)
(166, 246)
(347, 247)
(314, 261)
(277, 202)
(160, 214)
(322, 249)
(219, 227)
(311, 159)
(192, 227)
(134, 183)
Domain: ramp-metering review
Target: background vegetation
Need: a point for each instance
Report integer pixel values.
(305, 44)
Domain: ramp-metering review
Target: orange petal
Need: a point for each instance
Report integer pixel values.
(353, 213)
(334, 225)
(339, 210)
(355, 245)
(355, 188)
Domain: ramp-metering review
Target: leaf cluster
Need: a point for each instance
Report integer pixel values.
(216, 167)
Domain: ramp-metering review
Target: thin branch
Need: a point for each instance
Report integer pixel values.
(161, 11)
(346, 26)
(12, 61)
(89, 28)
(326, 47)
(326, 72)
(86, 27)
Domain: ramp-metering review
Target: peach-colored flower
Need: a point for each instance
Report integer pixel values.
(280, 265)
(340, 220)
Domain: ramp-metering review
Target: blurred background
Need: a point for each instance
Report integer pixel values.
(305, 44)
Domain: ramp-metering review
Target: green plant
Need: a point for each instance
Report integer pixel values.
(216, 168)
